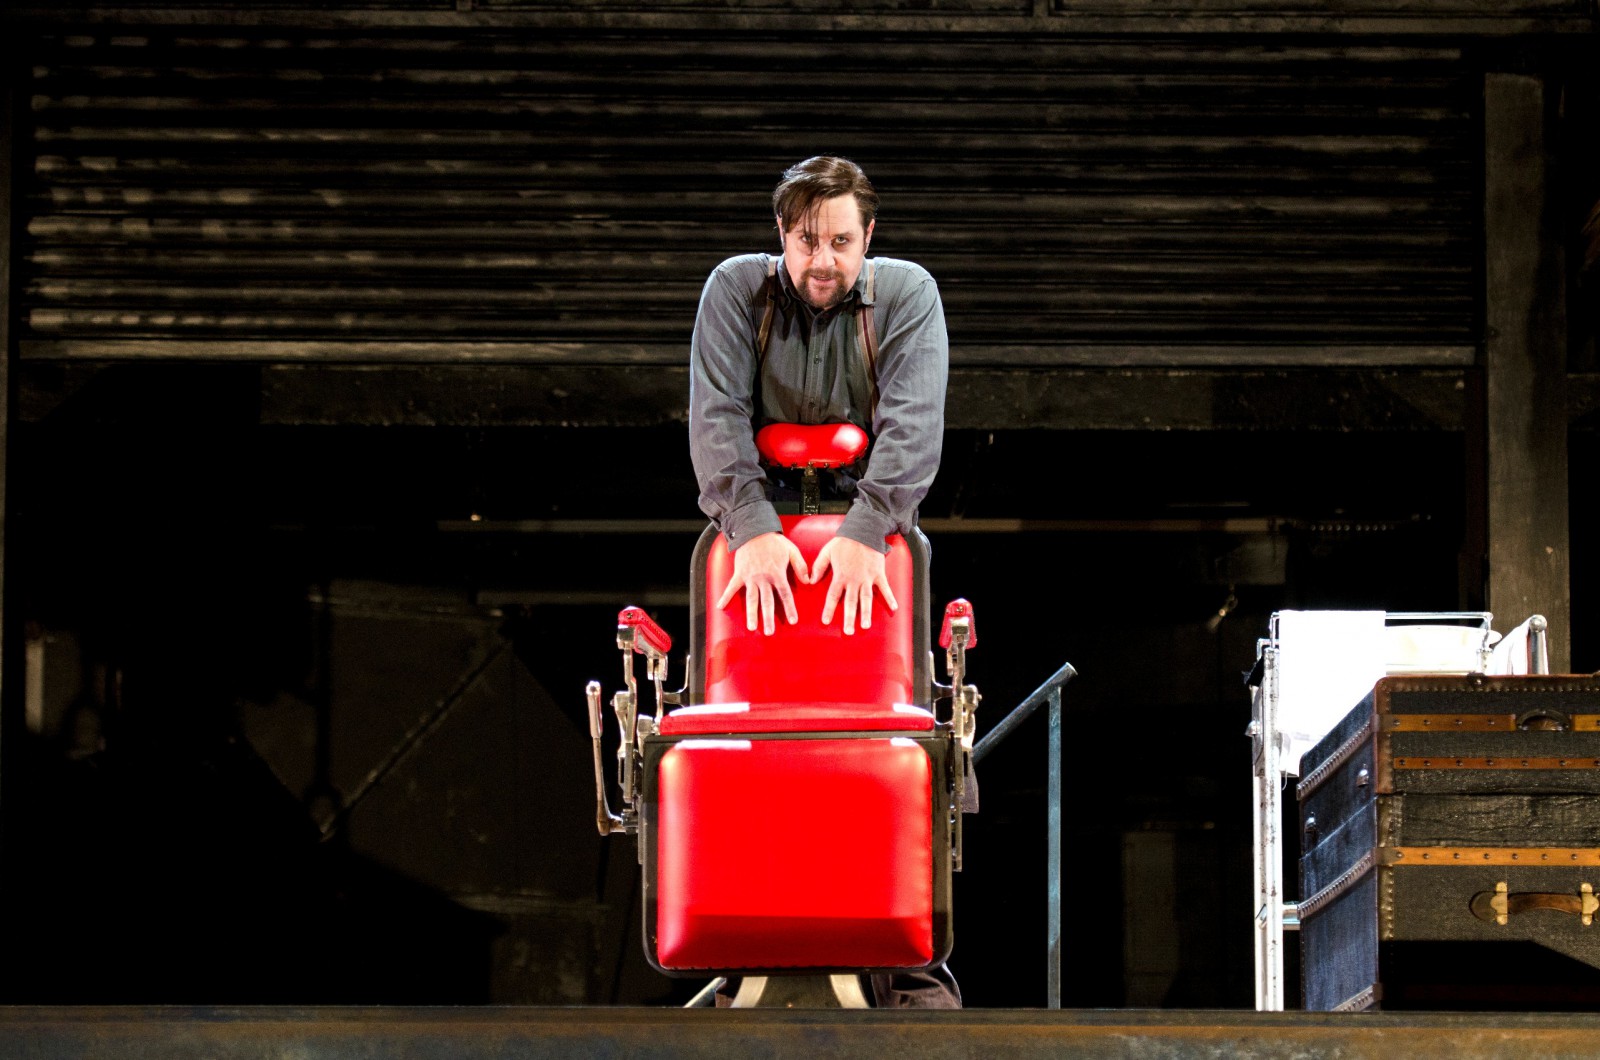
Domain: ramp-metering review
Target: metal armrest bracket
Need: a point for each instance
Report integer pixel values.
(637, 634)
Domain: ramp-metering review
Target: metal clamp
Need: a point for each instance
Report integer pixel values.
(810, 491)
(638, 634)
(959, 633)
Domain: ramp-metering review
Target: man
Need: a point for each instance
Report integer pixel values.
(790, 341)
(821, 334)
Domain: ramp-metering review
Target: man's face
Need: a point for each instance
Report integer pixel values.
(824, 253)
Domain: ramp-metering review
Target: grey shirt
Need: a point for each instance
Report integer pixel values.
(815, 372)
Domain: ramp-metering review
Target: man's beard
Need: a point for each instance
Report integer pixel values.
(840, 291)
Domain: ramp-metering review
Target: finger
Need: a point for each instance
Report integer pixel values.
(786, 596)
(730, 592)
(866, 606)
(752, 603)
(888, 594)
(798, 563)
(850, 611)
(766, 609)
(823, 560)
(834, 589)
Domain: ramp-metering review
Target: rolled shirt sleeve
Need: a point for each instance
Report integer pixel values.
(722, 367)
(908, 431)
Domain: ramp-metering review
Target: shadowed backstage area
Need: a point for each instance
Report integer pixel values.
(345, 405)
(310, 733)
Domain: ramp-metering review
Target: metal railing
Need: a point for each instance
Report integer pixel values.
(1049, 692)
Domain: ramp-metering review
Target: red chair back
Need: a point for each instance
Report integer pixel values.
(871, 666)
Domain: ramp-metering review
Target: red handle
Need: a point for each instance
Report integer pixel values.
(645, 629)
(959, 609)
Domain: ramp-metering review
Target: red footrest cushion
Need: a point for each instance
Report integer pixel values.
(808, 853)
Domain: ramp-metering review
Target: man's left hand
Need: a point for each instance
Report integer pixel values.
(858, 571)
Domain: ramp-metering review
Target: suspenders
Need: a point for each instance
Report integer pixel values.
(866, 332)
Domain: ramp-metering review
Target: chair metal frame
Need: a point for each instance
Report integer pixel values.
(948, 745)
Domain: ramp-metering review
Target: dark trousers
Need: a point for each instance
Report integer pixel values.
(934, 988)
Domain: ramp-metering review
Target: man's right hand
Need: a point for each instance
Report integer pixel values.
(761, 568)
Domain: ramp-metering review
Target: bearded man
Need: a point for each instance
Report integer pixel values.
(819, 334)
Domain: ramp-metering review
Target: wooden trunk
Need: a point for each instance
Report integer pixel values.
(1450, 830)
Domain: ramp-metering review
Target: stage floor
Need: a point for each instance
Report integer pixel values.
(48, 1033)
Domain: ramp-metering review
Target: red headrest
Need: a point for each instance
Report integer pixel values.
(811, 445)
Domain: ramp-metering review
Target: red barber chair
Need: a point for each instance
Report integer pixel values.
(798, 804)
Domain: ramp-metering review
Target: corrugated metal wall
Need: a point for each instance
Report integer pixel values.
(560, 195)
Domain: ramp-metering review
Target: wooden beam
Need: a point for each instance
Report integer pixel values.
(8, 100)
(979, 398)
(1529, 569)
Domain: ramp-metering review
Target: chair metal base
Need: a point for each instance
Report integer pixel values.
(800, 991)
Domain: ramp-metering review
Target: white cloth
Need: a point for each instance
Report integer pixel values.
(1327, 662)
(1510, 656)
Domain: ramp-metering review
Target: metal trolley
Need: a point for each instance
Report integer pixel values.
(1273, 763)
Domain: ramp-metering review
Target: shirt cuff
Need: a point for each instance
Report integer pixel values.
(748, 521)
(868, 526)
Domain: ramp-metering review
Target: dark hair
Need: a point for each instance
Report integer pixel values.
(806, 185)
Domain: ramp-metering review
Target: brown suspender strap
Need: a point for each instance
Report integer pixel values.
(869, 347)
(764, 334)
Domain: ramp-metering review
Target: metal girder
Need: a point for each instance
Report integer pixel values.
(1052, 398)
(1187, 399)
